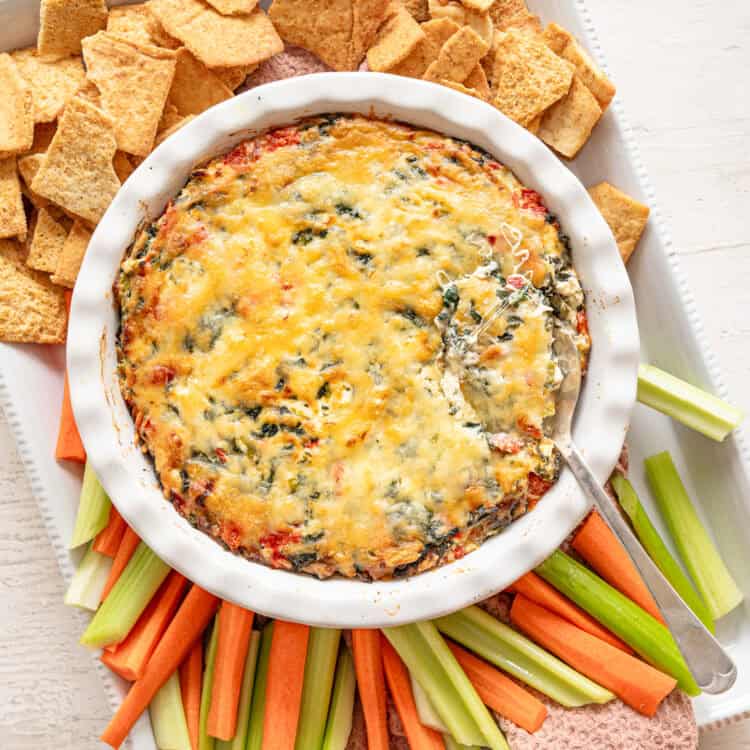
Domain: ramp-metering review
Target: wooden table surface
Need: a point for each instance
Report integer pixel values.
(682, 69)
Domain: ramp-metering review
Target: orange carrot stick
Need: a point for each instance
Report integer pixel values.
(235, 626)
(130, 658)
(534, 587)
(286, 671)
(418, 735)
(190, 621)
(633, 681)
(601, 549)
(129, 542)
(500, 693)
(191, 676)
(108, 540)
(69, 446)
(368, 665)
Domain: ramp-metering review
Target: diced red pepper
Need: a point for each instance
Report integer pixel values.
(161, 375)
(531, 201)
(582, 322)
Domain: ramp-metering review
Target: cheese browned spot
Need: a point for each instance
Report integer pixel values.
(336, 344)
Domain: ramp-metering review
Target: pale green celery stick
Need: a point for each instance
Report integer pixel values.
(517, 655)
(341, 713)
(86, 588)
(124, 604)
(425, 710)
(451, 744)
(93, 509)
(702, 559)
(642, 632)
(657, 550)
(320, 666)
(429, 659)
(205, 741)
(246, 697)
(168, 717)
(692, 406)
(258, 706)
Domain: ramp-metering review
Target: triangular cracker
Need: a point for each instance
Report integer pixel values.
(64, 23)
(195, 88)
(71, 256)
(12, 215)
(47, 240)
(397, 38)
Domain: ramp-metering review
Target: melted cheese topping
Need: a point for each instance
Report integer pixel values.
(337, 346)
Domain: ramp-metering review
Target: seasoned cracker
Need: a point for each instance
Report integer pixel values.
(173, 128)
(134, 81)
(216, 40)
(12, 215)
(557, 38)
(52, 82)
(418, 8)
(71, 256)
(32, 309)
(233, 7)
(64, 23)
(48, 236)
(626, 217)
(528, 76)
(138, 23)
(458, 57)
(478, 80)
(195, 88)
(396, 40)
(591, 74)
(436, 34)
(28, 166)
(567, 124)
(77, 172)
(481, 23)
(513, 14)
(90, 93)
(16, 109)
(367, 17)
(233, 77)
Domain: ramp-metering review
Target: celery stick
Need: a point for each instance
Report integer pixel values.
(86, 588)
(320, 665)
(692, 406)
(134, 589)
(657, 550)
(703, 561)
(428, 657)
(258, 706)
(341, 714)
(246, 696)
(425, 710)
(93, 509)
(205, 741)
(646, 635)
(516, 654)
(451, 744)
(168, 717)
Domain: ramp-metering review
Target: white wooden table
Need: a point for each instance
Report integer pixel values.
(682, 69)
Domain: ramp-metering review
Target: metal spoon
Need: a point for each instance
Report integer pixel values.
(711, 666)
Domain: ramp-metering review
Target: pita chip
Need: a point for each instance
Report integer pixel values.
(396, 40)
(134, 81)
(458, 57)
(71, 257)
(16, 109)
(47, 240)
(513, 14)
(12, 215)
(218, 41)
(32, 308)
(233, 7)
(64, 23)
(195, 88)
(418, 8)
(436, 34)
(80, 180)
(233, 77)
(478, 80)
(136, 22)
(480, 22)
(626, 217)
(28, 166)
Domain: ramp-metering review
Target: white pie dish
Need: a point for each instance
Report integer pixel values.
(127, 475)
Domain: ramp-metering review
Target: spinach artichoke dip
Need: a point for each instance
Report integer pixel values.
(337, 346)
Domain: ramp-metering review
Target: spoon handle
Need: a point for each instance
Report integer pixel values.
(712, 668)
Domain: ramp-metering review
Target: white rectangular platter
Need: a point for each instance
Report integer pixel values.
(717, 475)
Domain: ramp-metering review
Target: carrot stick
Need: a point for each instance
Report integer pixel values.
(500, 693)
(633, 681)
(418, 735)
(190, 621)
(108, 540)
(69, 445)
(368, 664)
(130, 658)
(128, 544)
(191, 674)
(534, 587)
(596, 543)
(235, 625)
(286, 672)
